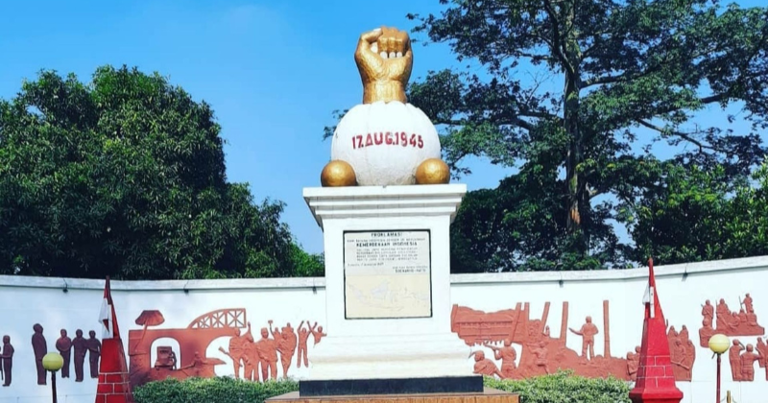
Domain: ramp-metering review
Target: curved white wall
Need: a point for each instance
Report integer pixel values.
(74, 304)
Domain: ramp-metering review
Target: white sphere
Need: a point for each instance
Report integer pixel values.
(370, 138)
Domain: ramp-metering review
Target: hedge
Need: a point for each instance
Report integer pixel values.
(562, 387)
(211, 390)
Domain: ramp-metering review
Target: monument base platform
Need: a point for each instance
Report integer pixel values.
(393, 357)
(444, 384)
(488, 395)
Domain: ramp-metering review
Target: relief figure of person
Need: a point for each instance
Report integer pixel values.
(64, 345)
(708, 311)
(748, 303)
(80, 346)
(94, 352)
(734, 358)
(748, 364)
(679, 358)
(303, 336)
(237, 347)
(293, 340)
(282, 347)
(633, 362)
(541, 352)
(251, 359)
(484, 366)
(507, 355)
(587, 332)
(290, 341)
(690, 350)
(267, 349)
(6, 358)
(317, 332)
(706, 331)
(40, 349)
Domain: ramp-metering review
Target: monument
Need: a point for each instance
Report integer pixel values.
(385, 207)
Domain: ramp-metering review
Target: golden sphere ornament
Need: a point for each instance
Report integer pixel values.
(433, 171)
(338, 173)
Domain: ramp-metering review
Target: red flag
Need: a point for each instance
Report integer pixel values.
(651, 298)
(107, 317)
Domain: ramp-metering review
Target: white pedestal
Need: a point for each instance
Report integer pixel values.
(388, 347)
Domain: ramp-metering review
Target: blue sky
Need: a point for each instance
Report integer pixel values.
(272, 70)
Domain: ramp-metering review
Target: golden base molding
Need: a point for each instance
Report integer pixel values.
(488, 395)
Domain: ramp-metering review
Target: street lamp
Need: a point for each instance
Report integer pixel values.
(719, 344)
(53, 362)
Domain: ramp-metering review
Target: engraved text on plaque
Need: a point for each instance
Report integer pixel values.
(387, 274)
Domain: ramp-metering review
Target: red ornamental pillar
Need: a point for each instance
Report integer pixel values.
(114, 383)
(655, 379)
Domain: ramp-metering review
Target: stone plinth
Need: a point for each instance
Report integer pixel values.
(487, 396)
(387, 316)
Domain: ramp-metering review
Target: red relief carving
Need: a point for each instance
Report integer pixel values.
(286, 344)
(762, 349)
(303, 336)
(682, 353)
(267, 354)
(540, 353)
(727, 322)
(633, 361)
(484, 366)
(587, 332)
(743, 364)
(252, 359)
(507, 355)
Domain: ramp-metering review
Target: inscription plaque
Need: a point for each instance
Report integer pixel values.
(387, 274)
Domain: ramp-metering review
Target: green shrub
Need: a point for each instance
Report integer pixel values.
(562, 387)
(214, 390)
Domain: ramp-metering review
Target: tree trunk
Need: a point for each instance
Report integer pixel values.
(574, 156)
(578, 198)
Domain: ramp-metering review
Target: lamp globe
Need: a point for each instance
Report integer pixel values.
(53, 362)
(719, 343)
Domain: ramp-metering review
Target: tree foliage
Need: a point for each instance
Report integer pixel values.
(631, 73)
(125, 176)
(698, 215)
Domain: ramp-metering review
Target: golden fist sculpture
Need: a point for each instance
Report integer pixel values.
(433, 172)
(385, 60)
(338, 173)
(385, 141)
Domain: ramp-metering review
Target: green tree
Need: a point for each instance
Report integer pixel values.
(695, 215)
(632, 73)
(307, 264)
(125, 176)
(747, 230)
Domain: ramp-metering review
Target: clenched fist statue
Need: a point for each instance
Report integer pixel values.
(385, 141)
(385, 60)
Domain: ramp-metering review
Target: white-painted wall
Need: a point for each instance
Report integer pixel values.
(25, 301)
